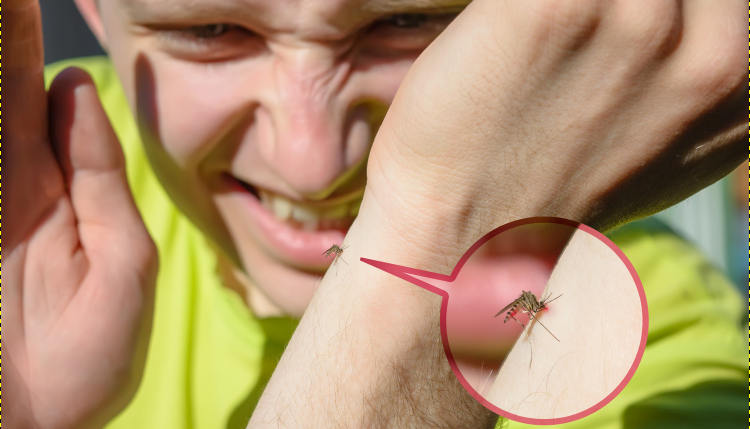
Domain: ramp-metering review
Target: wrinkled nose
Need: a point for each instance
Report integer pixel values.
(312, 124)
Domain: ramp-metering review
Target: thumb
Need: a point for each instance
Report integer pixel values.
(93, 164)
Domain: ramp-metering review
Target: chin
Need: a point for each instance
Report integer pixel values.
(278, 289)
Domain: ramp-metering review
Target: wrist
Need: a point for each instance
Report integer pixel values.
(422, 220)
(386, 337)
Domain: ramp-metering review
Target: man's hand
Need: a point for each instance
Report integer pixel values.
(598, 111)
(79, 265)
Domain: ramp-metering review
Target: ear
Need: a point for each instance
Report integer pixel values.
(89, 9)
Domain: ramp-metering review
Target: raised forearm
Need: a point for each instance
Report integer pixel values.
(367, 352)
(488, 127)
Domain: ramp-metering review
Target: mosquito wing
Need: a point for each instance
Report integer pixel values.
(331, 250)
(507, 307)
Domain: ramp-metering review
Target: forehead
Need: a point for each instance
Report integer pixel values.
(364, 5)
(281, 13)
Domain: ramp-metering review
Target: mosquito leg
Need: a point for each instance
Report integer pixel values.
(512, 316)
(545, 328)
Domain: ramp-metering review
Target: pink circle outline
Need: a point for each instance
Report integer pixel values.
(404, 272)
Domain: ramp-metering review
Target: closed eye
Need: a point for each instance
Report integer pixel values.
(407, 31)
(208, 42)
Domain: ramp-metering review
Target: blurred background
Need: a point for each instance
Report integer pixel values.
(65, 32)
(715, 219)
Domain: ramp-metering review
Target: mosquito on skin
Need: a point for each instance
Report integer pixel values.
(336, 251)
(527, 303)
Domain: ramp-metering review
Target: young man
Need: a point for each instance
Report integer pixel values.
(257, 120)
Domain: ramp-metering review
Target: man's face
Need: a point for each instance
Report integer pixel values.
(258, 115)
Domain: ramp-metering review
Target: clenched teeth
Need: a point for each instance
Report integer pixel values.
(309, 217)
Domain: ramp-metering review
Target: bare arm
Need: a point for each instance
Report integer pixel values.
(367, 352)
(595, 111)
(598, 319)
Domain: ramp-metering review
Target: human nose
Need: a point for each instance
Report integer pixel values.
(317, 132)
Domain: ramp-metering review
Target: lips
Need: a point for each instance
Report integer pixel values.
(296, 232)
(338, 215)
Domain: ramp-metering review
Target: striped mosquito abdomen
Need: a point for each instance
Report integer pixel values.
(528, 304)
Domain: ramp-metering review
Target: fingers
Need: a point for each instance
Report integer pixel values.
(94, 167)
(82, 137)
(32, 176)
(23, 72)
(712, 58)
(23, 26)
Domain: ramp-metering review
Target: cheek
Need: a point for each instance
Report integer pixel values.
(195, 112)
(371, 88)
(380, 79)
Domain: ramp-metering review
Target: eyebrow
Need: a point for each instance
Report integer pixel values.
(184, 8)
(395, 6)
(346, 16)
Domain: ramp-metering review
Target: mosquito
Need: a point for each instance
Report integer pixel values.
(527, 303)
(334, 250)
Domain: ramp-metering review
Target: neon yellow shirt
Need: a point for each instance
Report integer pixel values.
(210, 358)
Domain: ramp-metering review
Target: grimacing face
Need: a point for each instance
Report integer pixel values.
(258, 115)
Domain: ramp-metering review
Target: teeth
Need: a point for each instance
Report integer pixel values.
(310, 218)
(282, 208)
(304, 215)
(265, 199)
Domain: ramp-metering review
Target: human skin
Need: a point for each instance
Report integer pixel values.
(80, 266)
(592, 283)
(661, 69)
(287, 102)
(648, 105)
